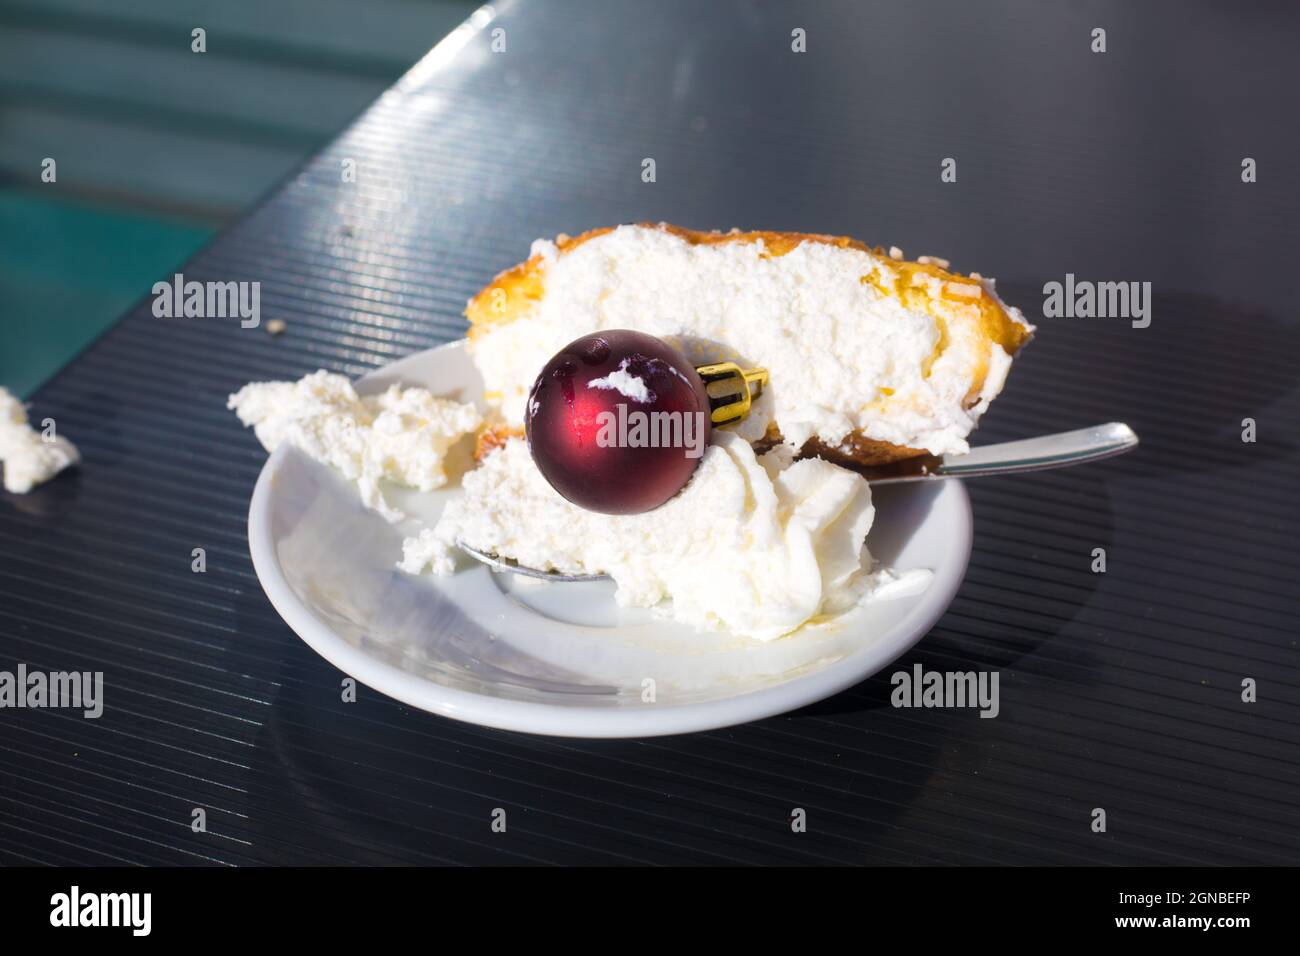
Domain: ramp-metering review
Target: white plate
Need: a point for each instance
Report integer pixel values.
(505, 651)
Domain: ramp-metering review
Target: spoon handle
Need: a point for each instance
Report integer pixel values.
(1029, 454)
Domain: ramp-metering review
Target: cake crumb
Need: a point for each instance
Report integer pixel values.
(30, 457)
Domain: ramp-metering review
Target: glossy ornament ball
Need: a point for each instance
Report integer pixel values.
(618, 421)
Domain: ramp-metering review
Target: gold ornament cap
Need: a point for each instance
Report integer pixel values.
(731, 390)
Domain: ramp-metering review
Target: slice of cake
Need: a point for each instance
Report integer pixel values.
(872, 358)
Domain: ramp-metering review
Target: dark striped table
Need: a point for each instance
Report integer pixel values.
(1120, 691)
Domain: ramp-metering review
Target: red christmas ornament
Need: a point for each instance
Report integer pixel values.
(618, 421)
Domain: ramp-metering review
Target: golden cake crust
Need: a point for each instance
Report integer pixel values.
(961, 298)
(493, 437)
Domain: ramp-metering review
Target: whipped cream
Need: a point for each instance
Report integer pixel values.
(842, 355)
(625, 383)
(401, 435)
(756, 546)
(29, 458)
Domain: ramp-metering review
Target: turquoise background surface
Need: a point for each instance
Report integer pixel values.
(158, 146)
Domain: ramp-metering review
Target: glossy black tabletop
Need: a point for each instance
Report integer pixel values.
(1120, 690)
